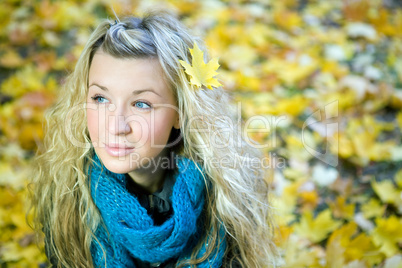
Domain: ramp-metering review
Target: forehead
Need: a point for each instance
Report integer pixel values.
(118, 74)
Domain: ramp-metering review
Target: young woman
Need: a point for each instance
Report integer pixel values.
(141, 167)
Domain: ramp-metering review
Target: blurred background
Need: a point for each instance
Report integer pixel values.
(317, 82)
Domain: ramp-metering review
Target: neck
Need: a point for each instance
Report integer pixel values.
(151, 179)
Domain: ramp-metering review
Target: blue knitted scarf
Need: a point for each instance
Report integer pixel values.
(131, 231)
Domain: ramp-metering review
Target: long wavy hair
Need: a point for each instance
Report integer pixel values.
(239, 196)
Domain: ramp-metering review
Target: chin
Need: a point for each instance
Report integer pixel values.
(118, 169)
(117, 165)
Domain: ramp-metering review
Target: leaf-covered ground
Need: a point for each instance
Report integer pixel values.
(317, 82)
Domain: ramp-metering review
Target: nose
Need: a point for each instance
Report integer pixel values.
(117, 125)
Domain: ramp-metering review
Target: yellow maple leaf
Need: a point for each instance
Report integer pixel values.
(298, 255)
(388, 234)
(292, 106)
(387, 192)
(362, 247)
(316, 229)
(334, 254)
(201, 73)
(356, 245)
(341, 209)
(372, 208)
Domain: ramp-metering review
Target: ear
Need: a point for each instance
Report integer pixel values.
(177, 123)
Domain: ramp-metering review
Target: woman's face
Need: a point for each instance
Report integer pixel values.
(130, 111)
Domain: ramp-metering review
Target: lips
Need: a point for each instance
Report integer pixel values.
(118, 150)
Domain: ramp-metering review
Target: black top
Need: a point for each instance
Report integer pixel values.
(157, 204)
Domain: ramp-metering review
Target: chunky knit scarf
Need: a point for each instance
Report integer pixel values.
(129, 231)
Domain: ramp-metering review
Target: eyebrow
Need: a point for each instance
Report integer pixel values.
(135, 92)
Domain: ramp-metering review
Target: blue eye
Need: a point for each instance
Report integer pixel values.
(142, 105)
(99, 99)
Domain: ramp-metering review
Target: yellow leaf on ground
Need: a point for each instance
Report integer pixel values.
(11, 59)
(342, 210)
(298, 255)
(335, 253)
(387, 234)
(372, 208)
(355, 248)
(316, 229)
(387, 191)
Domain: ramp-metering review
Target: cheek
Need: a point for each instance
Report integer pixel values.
(163, 127)
(93, 123)
(147, 131)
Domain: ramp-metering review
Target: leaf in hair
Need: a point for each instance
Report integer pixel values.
(201, 73)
